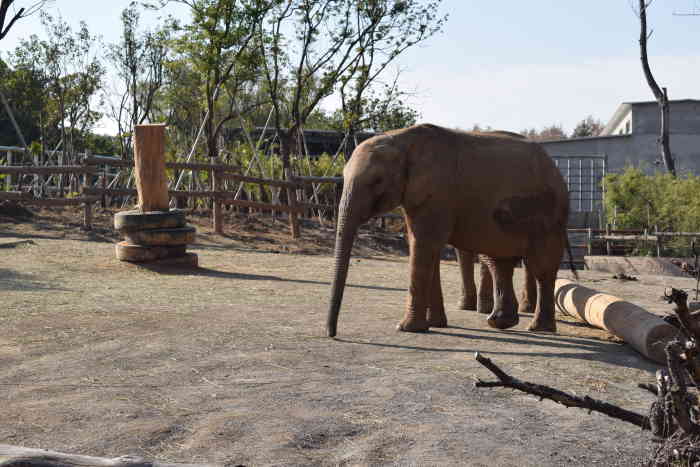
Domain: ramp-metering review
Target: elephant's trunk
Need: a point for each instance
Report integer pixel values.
(345, 236)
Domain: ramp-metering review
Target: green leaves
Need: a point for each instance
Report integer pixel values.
(635, 200)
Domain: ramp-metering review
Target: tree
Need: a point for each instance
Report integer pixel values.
(660, 94)
(587, 127)
(547, 133)
(138, 59)
(217, 44)
(344, 42)
(23, 86)
(6, 22)
(392, 27)
(73, 75)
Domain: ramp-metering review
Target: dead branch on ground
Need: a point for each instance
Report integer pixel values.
(674, 416)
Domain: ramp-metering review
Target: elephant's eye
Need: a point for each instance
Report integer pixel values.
(376, 182)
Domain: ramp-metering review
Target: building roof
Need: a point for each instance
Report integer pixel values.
(626, 107)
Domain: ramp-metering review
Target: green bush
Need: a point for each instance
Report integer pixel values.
(634, 200)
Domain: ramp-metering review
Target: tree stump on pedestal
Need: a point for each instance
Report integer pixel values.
(153, 232)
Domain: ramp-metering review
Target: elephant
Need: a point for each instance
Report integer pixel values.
(495, 194)
(482, 300)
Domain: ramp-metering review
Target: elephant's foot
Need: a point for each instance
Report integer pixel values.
(542, 325)
(500, 319)
(413, 325)
(468, 302)
(484, 306)
(437, 319)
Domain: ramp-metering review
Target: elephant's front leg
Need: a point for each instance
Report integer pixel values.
(505, 309)
(436, 309)
(423, 265)
(466, 264)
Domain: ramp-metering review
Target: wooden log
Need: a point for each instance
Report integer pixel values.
(60, 201)
(260, 181)
(87, 207)
(15, 195)
(149, 167)
(47, 170)
(315, 206)
(307, 180)
(292, 202)
(132, 221)
(647, 333)
(265, 206)
(216, 208)
(99, 160)
(141, 253)
(161, 237)
(29, 457)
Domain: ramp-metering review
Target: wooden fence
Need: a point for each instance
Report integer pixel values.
(615, 242)
(90, 193)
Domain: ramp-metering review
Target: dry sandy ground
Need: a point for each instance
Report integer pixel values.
(229, 364)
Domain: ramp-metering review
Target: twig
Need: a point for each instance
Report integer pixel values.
(560, 397)
(678, 390)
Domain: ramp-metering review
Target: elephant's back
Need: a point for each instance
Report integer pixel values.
(512, 190)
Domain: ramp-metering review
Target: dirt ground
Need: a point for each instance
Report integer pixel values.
(228, 363)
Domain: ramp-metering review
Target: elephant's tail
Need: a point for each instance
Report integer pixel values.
(571, 255)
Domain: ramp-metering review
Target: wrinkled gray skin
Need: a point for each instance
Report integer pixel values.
(498, 195)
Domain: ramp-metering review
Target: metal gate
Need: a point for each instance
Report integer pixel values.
(583, 175)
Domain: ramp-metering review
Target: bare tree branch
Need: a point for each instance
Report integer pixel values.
(17, 15)
(560, 397)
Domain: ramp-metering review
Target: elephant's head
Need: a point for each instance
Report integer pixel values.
(374, 181)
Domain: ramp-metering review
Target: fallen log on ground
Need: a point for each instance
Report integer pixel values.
(646, 332)
(17, 456)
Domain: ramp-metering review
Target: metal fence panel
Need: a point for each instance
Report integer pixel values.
(584, 175)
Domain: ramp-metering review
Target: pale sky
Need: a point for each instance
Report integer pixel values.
(509, 64)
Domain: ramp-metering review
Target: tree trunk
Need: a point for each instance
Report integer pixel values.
(660, 95)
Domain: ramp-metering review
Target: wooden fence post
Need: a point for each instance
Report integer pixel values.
(149, 167)
(292, 201)
(590, 241)
(216, 205)
(8, 179)
(87, 213)
(607, 241)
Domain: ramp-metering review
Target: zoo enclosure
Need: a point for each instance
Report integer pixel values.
(89, 182)
(94, 180)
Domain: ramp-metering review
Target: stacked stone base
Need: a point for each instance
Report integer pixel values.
(155, 237)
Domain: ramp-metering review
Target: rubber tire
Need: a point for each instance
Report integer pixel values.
(133, 221)
(140, 253)
(161, 237)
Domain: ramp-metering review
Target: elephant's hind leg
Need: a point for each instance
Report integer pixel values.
(484, 302)
(436, 310)
(505, 310)
(468, 300)
(528, 297)
(544, 265)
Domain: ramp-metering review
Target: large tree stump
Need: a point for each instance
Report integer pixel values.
(149, 167)
(153, 233)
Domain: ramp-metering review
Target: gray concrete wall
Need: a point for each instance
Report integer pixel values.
(684, 118)
(635, 149)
